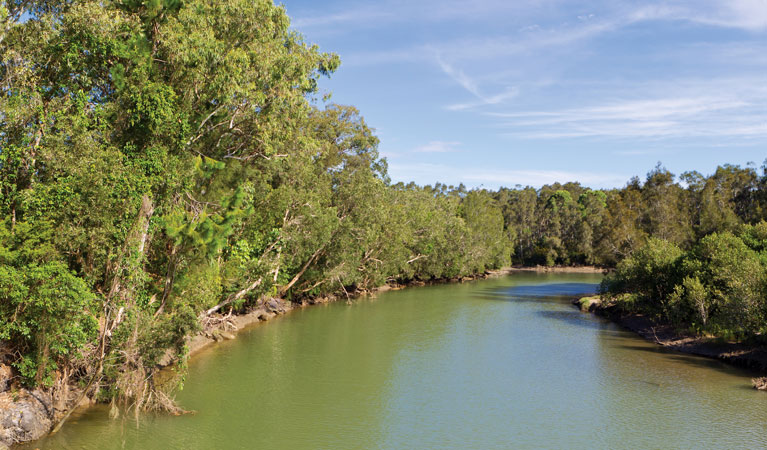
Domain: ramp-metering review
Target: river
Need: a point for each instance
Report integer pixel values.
(492, 364)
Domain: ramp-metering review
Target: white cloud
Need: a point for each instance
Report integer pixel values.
(750, 15)
(472, 87)
(425, 173)
(438, 147)
(731, 108)
(484, 101)
(459, 77)
(359, 16)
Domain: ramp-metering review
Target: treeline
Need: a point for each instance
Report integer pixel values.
(570, 224)
(690, 250)
(696, 256)
(163, 161)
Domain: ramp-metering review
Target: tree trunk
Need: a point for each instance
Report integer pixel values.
(299, 274)
(234, 297)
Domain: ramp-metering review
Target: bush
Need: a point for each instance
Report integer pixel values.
(734, 280)
(718, 287)
(651, 274)
(45, 313)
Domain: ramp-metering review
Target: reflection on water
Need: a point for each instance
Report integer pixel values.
(503, 363)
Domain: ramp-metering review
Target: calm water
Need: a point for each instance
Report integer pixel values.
(495, 364)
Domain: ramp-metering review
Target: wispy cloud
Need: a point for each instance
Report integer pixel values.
(472, 87)
(459, 77)
(484, 101)
(438, 147)
(425, 173)
(357, 16)
(525, 42)
(750, 15)
(740, 114)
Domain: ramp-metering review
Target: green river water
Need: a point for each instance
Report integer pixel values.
(494, 364)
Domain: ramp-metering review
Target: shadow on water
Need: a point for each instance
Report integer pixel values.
(573, 317)
(536, 293)
(689, 359)
(564, 292)
(552, 290)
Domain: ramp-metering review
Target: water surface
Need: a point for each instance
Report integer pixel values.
(493, 364)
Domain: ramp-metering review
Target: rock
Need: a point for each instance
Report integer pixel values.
(264, 316)
(274, 305)
(24, 419)
(760, 383)
(5, 377)
(587, 304)
(28, 422)
(227, 335)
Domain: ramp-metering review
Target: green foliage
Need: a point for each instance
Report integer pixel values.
(161, 157)
(717, 287)
(734, 280)
(650, 274)
(46, 312)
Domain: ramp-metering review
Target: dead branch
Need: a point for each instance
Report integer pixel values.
(234, 297)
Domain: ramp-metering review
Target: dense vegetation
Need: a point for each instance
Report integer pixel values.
(718, 286)
(703, 266)
(162, 161)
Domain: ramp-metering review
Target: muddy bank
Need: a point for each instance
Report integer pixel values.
(751, 357)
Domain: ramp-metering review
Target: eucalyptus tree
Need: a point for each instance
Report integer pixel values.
(137, 130)
(664, 213)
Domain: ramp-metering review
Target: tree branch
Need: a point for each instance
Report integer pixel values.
(234, 297)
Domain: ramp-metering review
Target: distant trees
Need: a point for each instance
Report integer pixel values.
(571, 224)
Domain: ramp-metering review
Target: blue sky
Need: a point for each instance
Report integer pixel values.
(498, 93)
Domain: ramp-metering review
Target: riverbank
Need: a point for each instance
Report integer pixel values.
(29, 415)
(751, 357)
(225, 327)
